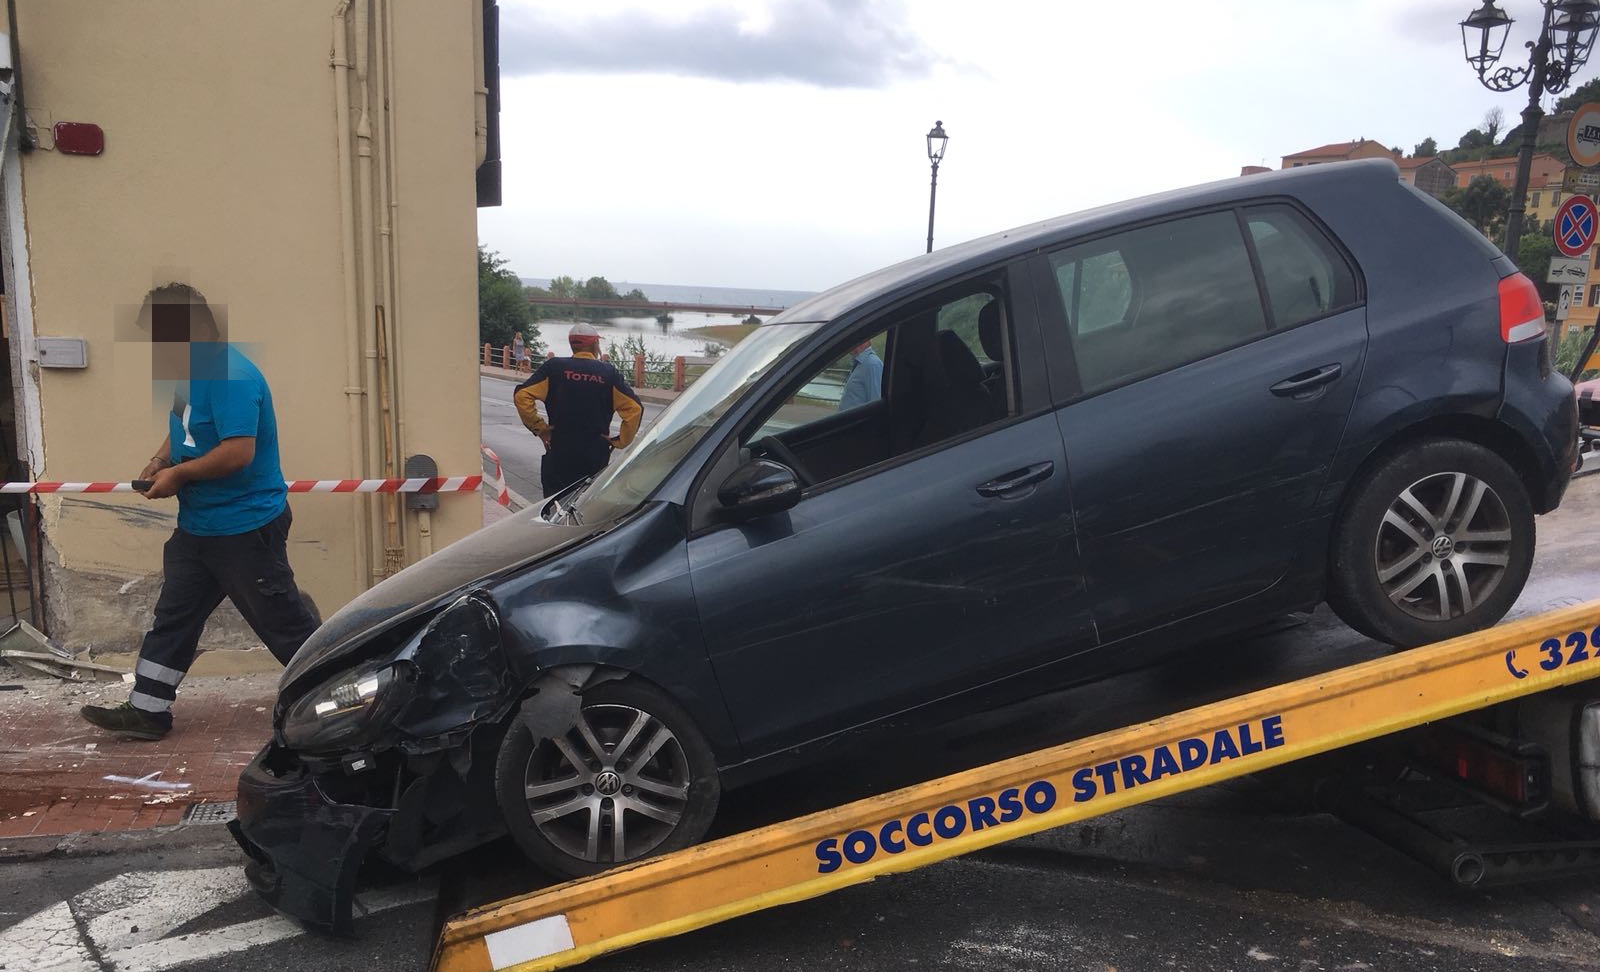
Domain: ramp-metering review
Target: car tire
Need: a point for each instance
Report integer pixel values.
(1435, 541)
(635, 759)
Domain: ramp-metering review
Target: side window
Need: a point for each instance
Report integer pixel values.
(852, 380)
(926, 376)
(1097, 291)
(1305, 276)
(1157, 297)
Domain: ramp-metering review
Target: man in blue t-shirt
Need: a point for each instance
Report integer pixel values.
(220, 459)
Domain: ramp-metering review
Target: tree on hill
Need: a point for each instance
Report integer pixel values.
(1427, 148)
(1473, 140)
(1578, 97)
(1493, 120)
(1482, 203)
(503, 308)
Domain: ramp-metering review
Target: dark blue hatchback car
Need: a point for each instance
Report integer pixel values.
(1015, 464)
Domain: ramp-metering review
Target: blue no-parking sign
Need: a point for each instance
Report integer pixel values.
(1575, 226)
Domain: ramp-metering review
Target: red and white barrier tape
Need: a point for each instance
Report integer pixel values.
(436, 484)
(497, 482)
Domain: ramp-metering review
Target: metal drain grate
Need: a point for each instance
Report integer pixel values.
(212, 813)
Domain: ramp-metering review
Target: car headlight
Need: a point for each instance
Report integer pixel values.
(462, 674)
(346, 711)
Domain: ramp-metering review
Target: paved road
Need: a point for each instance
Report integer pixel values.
(519, 450)
(1241, 876)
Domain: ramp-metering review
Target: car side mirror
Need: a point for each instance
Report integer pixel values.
(759, 487)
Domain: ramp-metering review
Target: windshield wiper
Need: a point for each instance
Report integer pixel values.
(569, 512)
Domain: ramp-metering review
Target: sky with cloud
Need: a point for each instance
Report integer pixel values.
(779, 143)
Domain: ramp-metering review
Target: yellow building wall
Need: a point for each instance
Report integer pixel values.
(222, 169)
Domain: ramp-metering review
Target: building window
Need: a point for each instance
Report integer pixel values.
(1535, 202)
(1555, 199)
(1594, 295)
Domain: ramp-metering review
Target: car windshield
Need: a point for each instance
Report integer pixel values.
(635, 474)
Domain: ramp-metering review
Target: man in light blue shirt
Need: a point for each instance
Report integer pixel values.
(220, 459)
(865, 383)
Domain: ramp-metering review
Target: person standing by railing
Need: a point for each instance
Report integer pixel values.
(519, 352)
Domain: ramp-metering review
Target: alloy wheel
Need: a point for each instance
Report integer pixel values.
(1443, 546)
(610, 789)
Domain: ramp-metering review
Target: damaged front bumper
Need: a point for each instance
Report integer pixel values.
(309, 824)
(305, 848)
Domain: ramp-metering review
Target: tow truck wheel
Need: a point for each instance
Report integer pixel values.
(1436, 541)
(633, 778)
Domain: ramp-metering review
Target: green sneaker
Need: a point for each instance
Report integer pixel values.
(128, 721)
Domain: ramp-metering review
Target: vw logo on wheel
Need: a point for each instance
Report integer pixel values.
(607, 783)
(1443, 547)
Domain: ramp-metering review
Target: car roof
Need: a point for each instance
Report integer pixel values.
(930, 269)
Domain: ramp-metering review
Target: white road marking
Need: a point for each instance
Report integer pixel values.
(159, 905)
(162, 955)
(47, 942)
(128, 917)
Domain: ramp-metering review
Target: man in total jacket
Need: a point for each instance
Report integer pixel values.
(580, 394)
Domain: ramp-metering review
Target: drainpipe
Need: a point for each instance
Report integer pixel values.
(389, 268)
(396, 513)
(390, 557)
(353, 390)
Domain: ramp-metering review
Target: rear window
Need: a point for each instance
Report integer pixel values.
(1305, 276)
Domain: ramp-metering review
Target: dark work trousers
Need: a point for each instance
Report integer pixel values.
(566, 463)
(251, 570)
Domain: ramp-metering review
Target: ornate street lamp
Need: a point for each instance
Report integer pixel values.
(936, 143)
(1566, 38)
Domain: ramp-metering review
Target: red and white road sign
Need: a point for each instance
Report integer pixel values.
(1575, 226)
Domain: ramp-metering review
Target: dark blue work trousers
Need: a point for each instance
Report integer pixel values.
(251, 570)
(567, 462)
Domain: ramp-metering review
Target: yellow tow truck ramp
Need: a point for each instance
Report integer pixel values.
(918, 825)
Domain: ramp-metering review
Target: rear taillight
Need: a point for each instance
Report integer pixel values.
(1521, 310)
(1518, 776)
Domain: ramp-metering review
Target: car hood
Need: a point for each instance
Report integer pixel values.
(493, 551)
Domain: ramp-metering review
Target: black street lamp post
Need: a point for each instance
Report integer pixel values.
(936, 142)
(1566, 36)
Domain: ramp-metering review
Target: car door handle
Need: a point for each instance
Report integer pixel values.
(1013, 481)
(1306, 381)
